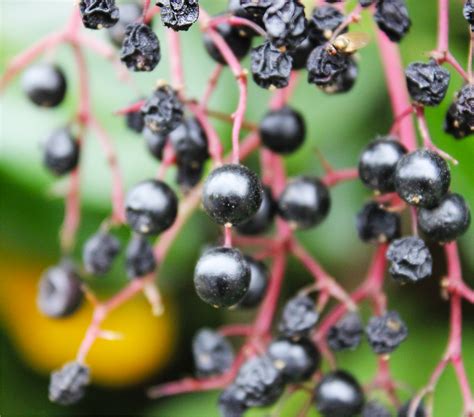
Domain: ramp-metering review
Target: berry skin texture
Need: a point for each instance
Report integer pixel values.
(375, 409)
(427, 83)
(468, 12)
(262, 220)
(135, 121)
(403, 411)
(141, 48)
(344, 81)
(99, 14)
(258, 283)
(155, 142)
(189, 142)
(447, 221)
(99, 252)
(61, 152)
(67, 385)
(346, 333)
(377, 164)
(297, 360)
(178, 14)
(129, 13)
(455, 126)
(270, 67)
(460, 117)
(422, 178)
(385, 333)
(299, 317)
(139, 257)
(283, 130)
(239, 44)
(232, 402)
(59, 293)
(304, 203)
(301, 53)
(338, 394)
(256, 8)
(410, 259)
(392, 18)
(44, 84)
(151, 207)
(376, 225)
(222, 277)
(232, 194)
(324, 68)
(323, 22)
(213, 354)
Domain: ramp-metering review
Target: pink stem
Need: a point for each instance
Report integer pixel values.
(443, 26)
(130, 109)
(227, 237)
(177, 72)
(236, 21)
(211, 85)
(449, 58)
(72, 212)
(236, 330)
(335, 177)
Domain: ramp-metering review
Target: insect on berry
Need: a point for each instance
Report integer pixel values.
(67, 385)
(99, 14)
(270, 67)
(141, 48)
(178, 15)
(44, 84)
(385, 333)
(61, 152)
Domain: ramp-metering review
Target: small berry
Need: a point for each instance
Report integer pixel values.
(427, 83)
(324, 67)
(135, 121)
(262, 220)
(151, 207)
(67, 385)
(324, 21)
(139, 257)
(346, 333)
(213, 354)
(296, 359)
(377, 163)
(375, 409)
(99, 14)
(410, 259)
(344, 81)
(238, 43)
(283, 130)
(188, 175)
(60, 293)
(422, 178)
(392, 18)
(454, 125)
(155, 142)
(61, 152)
(129, 13)
(270, 67)
(338, 394)
(256, 8)
(232, 401)
(141, 48)
(419, 412)
(44, 84)
(299, 317)
(468, 12)
(222, 277)
(460, 118)
(301, 53)
(258, 283)
(232, 194)
(447, 221)
(189, 142)
(305, 202)
(377, 225)
(237, 10)
(178, 15)
(99, 252)
(385, 333)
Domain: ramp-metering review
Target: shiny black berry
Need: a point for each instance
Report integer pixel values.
(377, 225)
(239, 43)
(140, 48)
(262, 220)
(299, 317)
(377, 164)
(99, 14)
(188, 175)
(427, 83)
(392, 18)
(282, 130)
(129, 13)
(422, 178)
(258, 283)
(296, 359)
(419, 412)
(212, 353)
(189, 142)
(178, 14)
(139, 257)
(385, 333)
(447, 221)
(338, 394)
(151, 207)
(232, 194)
(44, 84)
(231, 402)
(305, 202)
(468, 12)
(375, 409)
(325, 67)
(410, 259)
(67, 385)
(60, 293)
(346, 333)
(155, 142)
(343, 82)
(61, 152)
(135, 121)
(99, 252)
(324, 21)
(270, 67)
(301, 53)
(222, 277)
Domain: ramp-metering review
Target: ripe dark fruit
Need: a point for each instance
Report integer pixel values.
(304, 203)
(374, 224)
(60, 292)
(460, 117)
(454, 125)
(410, 259)
(178, 15)
(377, 164)
(346, 333)
(375, 409)
(405, 408)
(188, 175)
(232, 194)
(213, 354)
(299, 317)
(99, 252)
(366, 3)
(232, 401)
(325, 68)
(189, 142)
(270, 67)
(301, 53)
(338, 394)
(139, 257)
(135, 121)
(427, 83)
(151, 207)
(61, 152)
(297, 360)
(155, 142)
(238, 43)
(385, 333)
(222, 277)
(129, 13)
(256, 8)
(344, 81)
(67, 385)
(283, 130)
(44, 84)
(422, 178)
(468, 12)
(323, 22)
(392, 18)
(261, 221)
(99, 14)
(141, 48)
(258, 283)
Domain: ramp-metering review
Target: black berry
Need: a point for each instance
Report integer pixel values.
(67, 385)
(139, 257)
(460, 117)
(99, 252)
(61, 152)
(256, 8)
(385, 333)
(155, 142)
(375, 224)
(344, 81)
(375, 409)
(454, 125)
(270, 67)
(258, 283)
(324, 67)
(237, 10)
(346, 333)
(188, 175)
(324, 21)
(178, 15)
(261, 221)
(99, 14)
(135, 121)
(141, 48)
(299, 317)
(44, 84)
(232, 401)
(392, 18)
(301, 53)
(366, 3)
(232, 35)
(151, 207)
(213, 354)
(427, 83)
(222, 277)
(189, 142)
(129, 13)
(419, 412)
(468, 12)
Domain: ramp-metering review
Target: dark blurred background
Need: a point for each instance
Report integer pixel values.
(155, 350)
